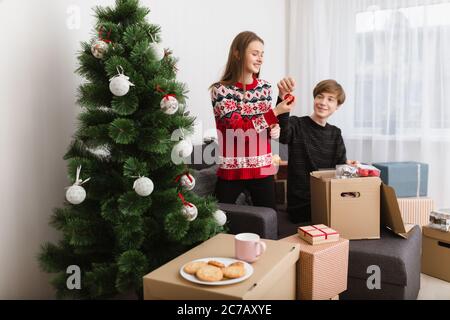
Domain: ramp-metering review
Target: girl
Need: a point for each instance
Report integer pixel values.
(244, 116)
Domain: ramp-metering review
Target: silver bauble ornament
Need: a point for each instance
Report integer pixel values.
(187, 181)
(183, 148)
(189, 211)
(158, 50)
(99, 48)
(143, 186)
(169, 104)
(75, 194)
(220, 217)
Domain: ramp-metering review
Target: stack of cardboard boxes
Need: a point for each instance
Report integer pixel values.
(357, 207)
(410, 180)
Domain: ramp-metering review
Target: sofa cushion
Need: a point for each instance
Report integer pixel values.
(205, 181)
(393, 254)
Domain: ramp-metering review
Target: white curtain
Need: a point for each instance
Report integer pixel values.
(393, 59)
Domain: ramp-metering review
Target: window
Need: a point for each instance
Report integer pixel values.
(403, 69)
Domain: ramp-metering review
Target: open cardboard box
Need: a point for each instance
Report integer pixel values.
(354, 217)
(375, 204)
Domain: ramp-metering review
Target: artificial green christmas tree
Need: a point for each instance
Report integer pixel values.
(130, 209)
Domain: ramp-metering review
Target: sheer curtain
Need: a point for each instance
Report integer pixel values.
(393, 59)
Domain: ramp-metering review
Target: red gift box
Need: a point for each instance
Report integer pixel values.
(318, 234)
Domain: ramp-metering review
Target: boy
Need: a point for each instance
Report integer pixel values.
(313, 143)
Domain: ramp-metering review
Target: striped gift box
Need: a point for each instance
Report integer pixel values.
(416, 210)
(321, 269)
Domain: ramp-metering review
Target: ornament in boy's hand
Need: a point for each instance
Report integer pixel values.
(289, 97)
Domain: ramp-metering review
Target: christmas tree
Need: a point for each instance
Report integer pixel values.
(130, 209)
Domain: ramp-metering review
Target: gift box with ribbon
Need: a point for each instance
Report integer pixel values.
(318, 234)
(322, 270)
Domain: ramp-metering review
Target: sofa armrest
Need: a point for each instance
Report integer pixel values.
(259, 220)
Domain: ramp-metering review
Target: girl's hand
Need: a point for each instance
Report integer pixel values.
(275, 131)
(284, 106)
(285, 86)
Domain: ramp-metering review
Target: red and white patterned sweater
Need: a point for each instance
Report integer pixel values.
(242, 129)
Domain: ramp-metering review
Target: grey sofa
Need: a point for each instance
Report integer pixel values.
(241, 216)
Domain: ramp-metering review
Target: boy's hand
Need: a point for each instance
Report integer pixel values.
(353, 163)
(275, 131)
(284, 106)
(285, 86)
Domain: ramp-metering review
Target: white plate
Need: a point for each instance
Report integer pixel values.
(226, 262)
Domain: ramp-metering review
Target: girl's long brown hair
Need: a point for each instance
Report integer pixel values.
(236, 58)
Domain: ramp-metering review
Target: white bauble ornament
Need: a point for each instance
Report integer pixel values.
(189, 211)
(220, 217)
(158, 50)
(75, 194)
(169, 104)
(119, 85)
(143, 186)
(183, 148)
(99, 48)
(187, 181)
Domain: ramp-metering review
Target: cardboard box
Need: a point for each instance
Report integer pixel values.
(274, 275)
(436, 253)
(416, 210)
(318, 234)
(355, 217)
(321, 269)
(409, 178)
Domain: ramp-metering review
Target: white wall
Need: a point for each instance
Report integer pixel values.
(38, 109)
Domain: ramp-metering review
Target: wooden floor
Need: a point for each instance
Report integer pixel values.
(433, 288)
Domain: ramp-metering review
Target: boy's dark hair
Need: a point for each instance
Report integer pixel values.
(330, 86)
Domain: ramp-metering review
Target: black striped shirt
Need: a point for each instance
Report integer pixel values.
(311, 147)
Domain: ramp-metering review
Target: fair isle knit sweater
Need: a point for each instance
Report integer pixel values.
(242, 129)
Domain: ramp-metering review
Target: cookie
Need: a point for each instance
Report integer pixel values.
(209, 273)
(216, 264)
(233, 272)
(192, 267)
(237, 264)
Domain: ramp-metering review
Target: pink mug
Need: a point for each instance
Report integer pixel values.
(248, 247)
